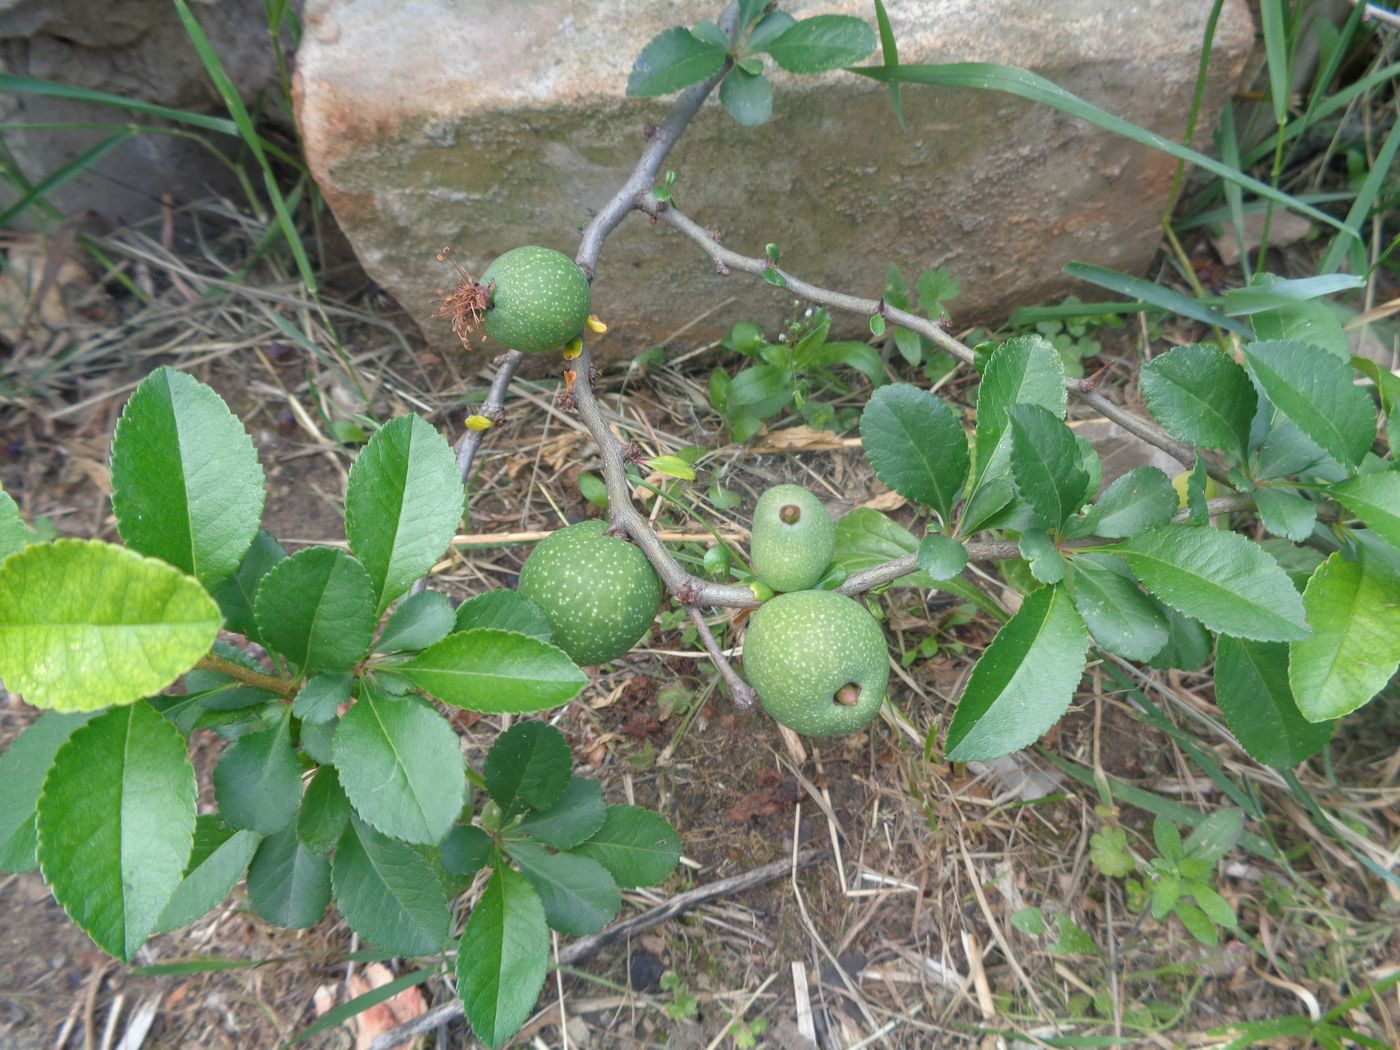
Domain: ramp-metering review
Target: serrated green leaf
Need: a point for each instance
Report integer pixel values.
(22, 770)
(487, 669)
(505, 610)
(941, 557)
(1286, 513)
(84, 624)
(1166, 891)
(711, 33)
(1024, 680)
(187, 486)
(1216, 908)
(316, 739)
(14, 534)
(317, 609)
(116, 825)
(909, 344)
(916, 446)
(1139, 500)
(574, 816)
(466, 850)
(1121, 618)
(1045, 464)
(1040, 553)
(320, 698)
(578, 894)
(1375, 499)
(769, 28)
(1314, 389)
(637, 846)
(416, 623)
(1252, 690)
(1201, 396)
(1311, 322)
(530, 761)
(1108, 851)
(1221, 579)
(400, 763)
(1166, 838)
(288, 884)
(672, 467)
(866, 538)
(403, 501)
(502, 958)
(819, 44)
(1188, 644)
(673, 59)
(877, 325)
(324, 812)
(777, 280)
(240, 590)
(388, 893)
(220, 857)
(748, 97)
(1354, 607)
(258, 780)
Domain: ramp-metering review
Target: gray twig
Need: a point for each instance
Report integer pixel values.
(584, 947)
(742, 692)
(493, 408)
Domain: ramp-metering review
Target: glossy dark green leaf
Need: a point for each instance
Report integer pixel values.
(288, 884)
(506, 611)
(1354, 608)
(1139, 500)
(317, 609)
(417, 622)
(388, 893)
(916, 446)
(1251, 687)
(673, 59)
(237, 595)
(22, 770)
(502, 958)
(324, 812)
(258, 780)
(941, 557)
(637, 846)
(1045, 464)
(1375, 499)
(1188, 644)
(748, 97)
(769, 28)
(187, 486)
(578, 894)
(403, 501)
(116, 824)
(320, 698)
(466, 850)
(487, 669)
(530, 761)
(400, 763)
(1220, 578)
(1201, 396)
(1286, 513)
(1024, 680)
(1314, 389)
(822, 43)
(573, 817)
(220, 856)
(1121, 618)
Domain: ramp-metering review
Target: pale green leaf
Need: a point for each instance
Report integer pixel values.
(1375, 499)
(1354, 607)
(319, 699)
(1221, 579)
(1139, 500)
(14, 534)
(748, 97)
(866, 538)
(403, 502)
(1285, 513)
(116, 825)
(942, 557)
(84, 624)
(1024, 680)
(187, 486)
(22, 771)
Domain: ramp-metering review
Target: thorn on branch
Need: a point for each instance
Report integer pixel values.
(633, 453)
(714, 235)
(721, 269)
(648, 130)
(565, 399)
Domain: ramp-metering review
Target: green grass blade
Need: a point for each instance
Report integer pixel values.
(1338, 250)
(1334, 61)
(361, 1003)
(1240, 302)
(889, 51)
(1022, 83)
(1222, 215)
(1229, 145)
(1197, 94)
(1276, 52)
(1028, 315)
(1154, 294)
(1340, 100)
(66, 173)
(32, 86)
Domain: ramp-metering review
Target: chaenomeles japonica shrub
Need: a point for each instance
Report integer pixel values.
(341, 781)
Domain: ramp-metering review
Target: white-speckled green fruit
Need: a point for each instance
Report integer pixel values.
(599, 593)
(793, 538)
(540, 302)
(817, 661)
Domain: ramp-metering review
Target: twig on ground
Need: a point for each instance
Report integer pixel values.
(742, 692)
(584, 947)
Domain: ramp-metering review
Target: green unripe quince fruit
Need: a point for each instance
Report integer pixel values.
(817, 661)
(599, 593)
(540, 301)
(793, 538)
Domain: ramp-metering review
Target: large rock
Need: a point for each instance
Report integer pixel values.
(137, 49)
(484, 125)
